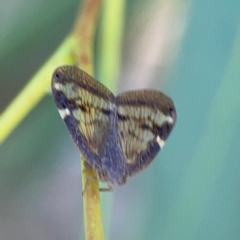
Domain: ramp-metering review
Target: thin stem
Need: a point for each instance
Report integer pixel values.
(84, 32)
(35, 90)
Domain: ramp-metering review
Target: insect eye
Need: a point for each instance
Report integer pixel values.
(58, 76)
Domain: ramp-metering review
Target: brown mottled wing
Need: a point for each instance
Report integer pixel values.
(145, 119)
(86, 107)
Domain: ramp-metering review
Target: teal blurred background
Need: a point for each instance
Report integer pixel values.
(188, 49)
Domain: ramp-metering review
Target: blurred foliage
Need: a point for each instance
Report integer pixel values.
(189, 50)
